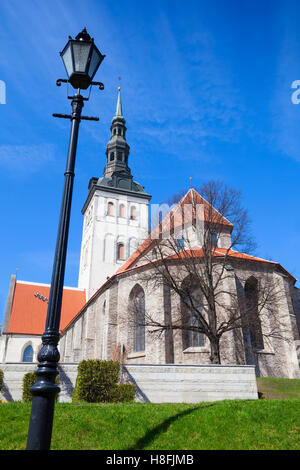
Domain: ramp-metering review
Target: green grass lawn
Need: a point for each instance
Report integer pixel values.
(230, 424)
(279, 388)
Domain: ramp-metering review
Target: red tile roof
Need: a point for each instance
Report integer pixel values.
(174, 219)
(28, 314)
(198, 253)
(192, 197)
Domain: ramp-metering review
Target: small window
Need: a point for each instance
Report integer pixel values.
(115, 131)
(112, 157)
(110, 209)
(120, 156)
(28, 354)
(121, 251)
(133, 213)
(213, 239)
(180, 243)
(122, 210)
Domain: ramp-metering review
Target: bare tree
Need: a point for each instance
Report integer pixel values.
(183, 256)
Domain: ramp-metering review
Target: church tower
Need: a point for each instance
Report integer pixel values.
(115, 213)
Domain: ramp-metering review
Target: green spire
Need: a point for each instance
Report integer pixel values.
(119, 105)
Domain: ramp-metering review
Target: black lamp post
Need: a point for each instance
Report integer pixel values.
(82, 60)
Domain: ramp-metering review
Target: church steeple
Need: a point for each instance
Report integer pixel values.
(116, 212)
(117, 175)
(117, 149)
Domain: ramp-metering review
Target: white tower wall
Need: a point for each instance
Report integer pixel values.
(102, 233)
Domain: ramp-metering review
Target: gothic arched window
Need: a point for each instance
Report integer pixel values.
(28, 354)
(191, 313)
(252, 319)
(133, 213)
(194, 337)
(120, 251)
(110, 208)
(122, 210)
(137, 304)
(137, 319)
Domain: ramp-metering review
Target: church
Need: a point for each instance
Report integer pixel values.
(116, 267)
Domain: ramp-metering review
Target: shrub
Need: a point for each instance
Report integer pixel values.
(97, 381)
(29, 379)
(123, 392)
(1, 379)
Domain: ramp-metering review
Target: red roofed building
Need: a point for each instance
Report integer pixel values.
(25, 318)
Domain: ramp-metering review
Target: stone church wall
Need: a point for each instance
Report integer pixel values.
(105, 327)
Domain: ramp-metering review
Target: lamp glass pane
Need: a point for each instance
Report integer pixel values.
(67, 58)
(81, 54)
(94, 64)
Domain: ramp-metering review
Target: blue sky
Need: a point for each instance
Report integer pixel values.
(206, 91)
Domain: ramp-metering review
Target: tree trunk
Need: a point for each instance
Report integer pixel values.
(215, 351)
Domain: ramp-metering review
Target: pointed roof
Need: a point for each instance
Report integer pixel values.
(174, 220)
(181, 214)
(119, 112)
(187, 208)
(117, 176)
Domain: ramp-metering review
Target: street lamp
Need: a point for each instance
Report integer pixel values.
(82, 60)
